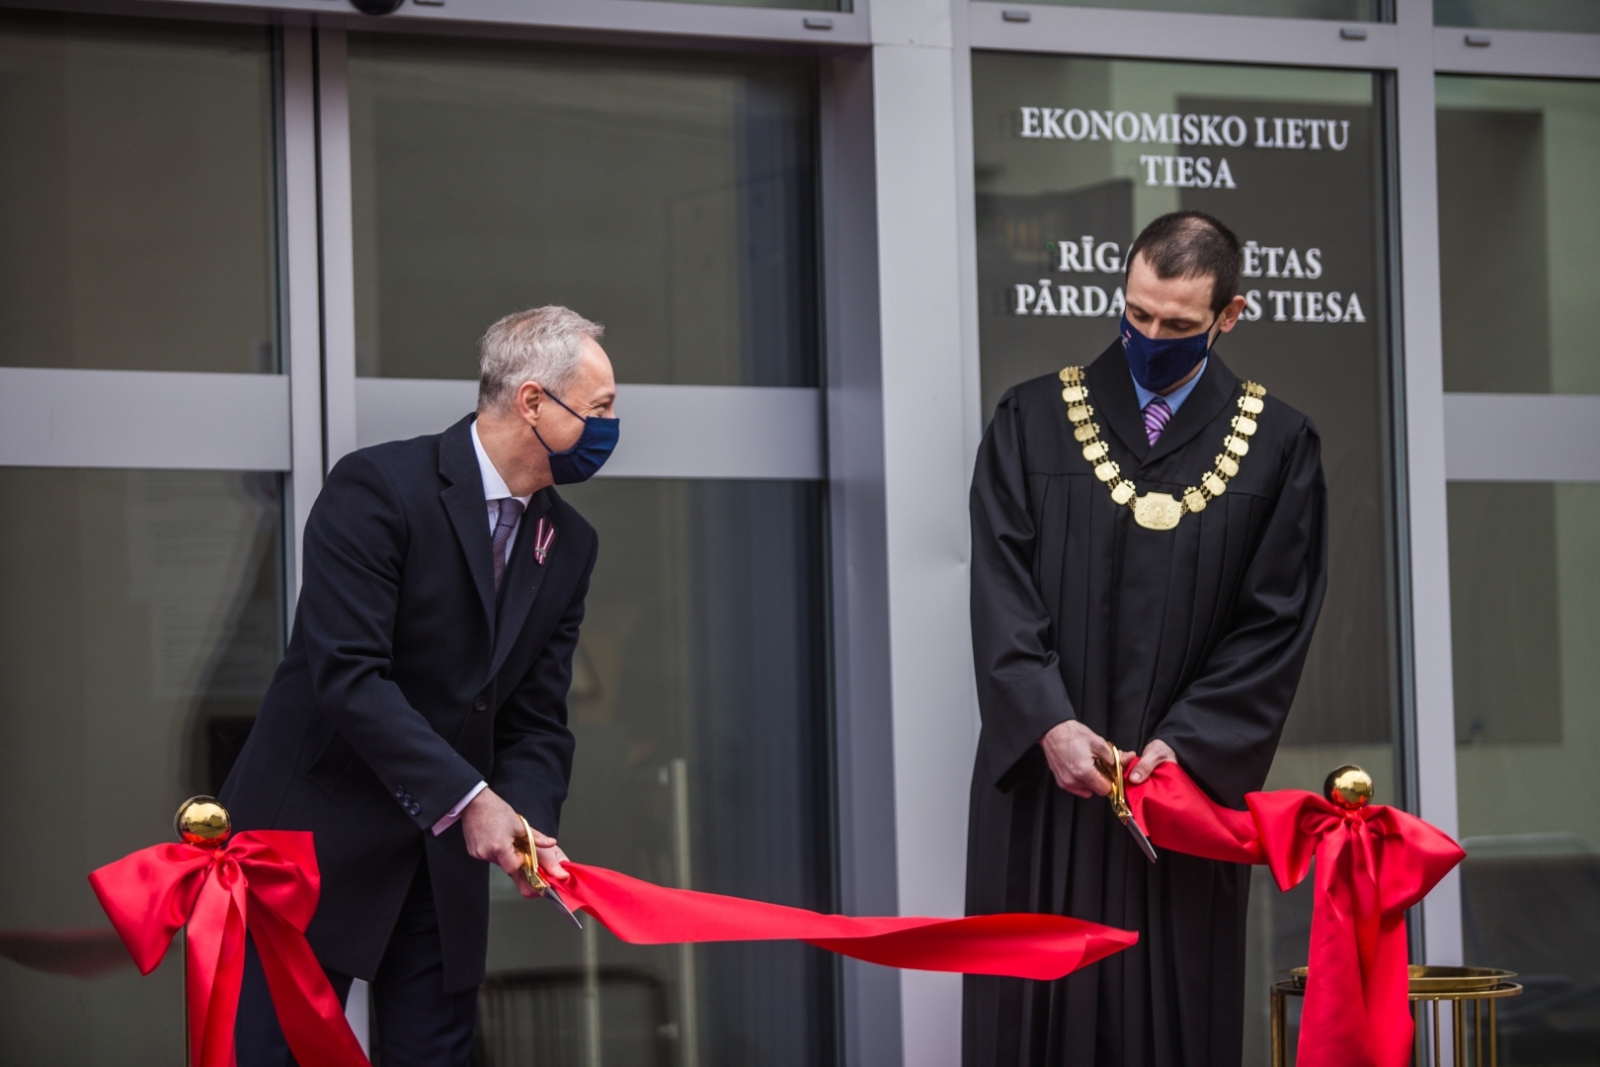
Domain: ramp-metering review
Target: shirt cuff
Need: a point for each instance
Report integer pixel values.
(454, 814)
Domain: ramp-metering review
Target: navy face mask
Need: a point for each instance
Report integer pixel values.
(1161, 364)
(589, 454)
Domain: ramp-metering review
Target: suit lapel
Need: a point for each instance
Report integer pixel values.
(524, 576)
(1113, 399)
(1212, 393)
(468, 510)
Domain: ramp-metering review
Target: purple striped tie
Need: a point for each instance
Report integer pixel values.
(1156, 414)
(505, 523)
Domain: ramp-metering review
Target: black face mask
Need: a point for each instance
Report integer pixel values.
(1161, 364)
(589, 454)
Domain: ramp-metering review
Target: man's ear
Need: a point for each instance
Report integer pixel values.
(530, 397)
(1229, 316)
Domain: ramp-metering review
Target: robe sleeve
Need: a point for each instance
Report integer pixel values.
(1021, 694)
(1225, 725)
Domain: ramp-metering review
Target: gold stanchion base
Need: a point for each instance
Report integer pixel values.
(1460, 986)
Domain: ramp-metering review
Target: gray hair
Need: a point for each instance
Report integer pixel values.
(541, 345)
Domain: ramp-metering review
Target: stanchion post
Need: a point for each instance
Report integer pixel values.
(200, 821)
(187, 1051)
(1279, 1026)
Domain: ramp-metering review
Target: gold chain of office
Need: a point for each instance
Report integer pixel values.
(1159, 511)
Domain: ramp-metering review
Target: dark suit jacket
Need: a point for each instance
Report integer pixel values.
(406, 683)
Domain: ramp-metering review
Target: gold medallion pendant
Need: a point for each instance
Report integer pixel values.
(1157, 511)
(1160, 511)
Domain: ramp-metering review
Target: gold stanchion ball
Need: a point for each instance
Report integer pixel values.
(1348, 787)
(202, 821)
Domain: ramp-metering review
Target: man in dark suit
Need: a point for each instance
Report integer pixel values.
(421, 708)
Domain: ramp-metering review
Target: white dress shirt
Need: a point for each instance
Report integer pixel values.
(494, 491)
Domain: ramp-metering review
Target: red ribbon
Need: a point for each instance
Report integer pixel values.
(263, 880)
(1017, 945)
(1372, 864)
(267, 881)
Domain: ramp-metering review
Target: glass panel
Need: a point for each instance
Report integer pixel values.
(136, 195)
(1074, 156)
(667, 196)
(1519, 234)
(1350, 10)
(1580, 16)
(141, 621)
(1525, 621)
(700, 709)
(802, 5)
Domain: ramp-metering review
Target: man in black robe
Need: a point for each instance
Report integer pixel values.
(1091, 629)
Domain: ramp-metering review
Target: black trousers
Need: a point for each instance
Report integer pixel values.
(417, 1023)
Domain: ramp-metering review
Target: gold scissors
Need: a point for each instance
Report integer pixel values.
(1119, 802)
(530, 870)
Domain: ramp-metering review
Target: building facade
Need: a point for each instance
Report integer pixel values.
(240, 240)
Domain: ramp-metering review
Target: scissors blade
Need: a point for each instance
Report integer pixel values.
(554, 896)
(1139, 837)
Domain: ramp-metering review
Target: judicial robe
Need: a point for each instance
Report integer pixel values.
(1195, 635)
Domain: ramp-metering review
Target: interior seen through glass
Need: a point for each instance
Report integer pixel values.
(1353, 10)
(1525, 622)
(1519, 234)
(666, 196)
(141, 621)
(1573, 16)
(136, 195)
(1074, 156)
(699, 706)
(1520, 255)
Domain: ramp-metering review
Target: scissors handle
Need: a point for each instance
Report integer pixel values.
(530, 859)
(1119, 788)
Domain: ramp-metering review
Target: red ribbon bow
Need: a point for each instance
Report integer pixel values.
(1018, 945)
(1372, 864)
(263, 880)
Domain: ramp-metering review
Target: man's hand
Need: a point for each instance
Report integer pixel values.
(1154, 755)
(1071, 749)
(491, 828)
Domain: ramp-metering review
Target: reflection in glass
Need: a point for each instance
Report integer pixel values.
(1519, 234)
(140, 624)
(1353, 10)
(669, 197)
(699, 706)
(136, 195)
(1525, 622)
(1074, 157)
(1578, 16)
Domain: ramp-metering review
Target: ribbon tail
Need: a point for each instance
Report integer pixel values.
(214, 955)
(1335, 1023)
(205, 979)
(309, 1012)
(1006, 945)
(1388, 1006)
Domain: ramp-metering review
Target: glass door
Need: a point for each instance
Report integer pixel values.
(1073, 156)
(672, 198)
(143, 456)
